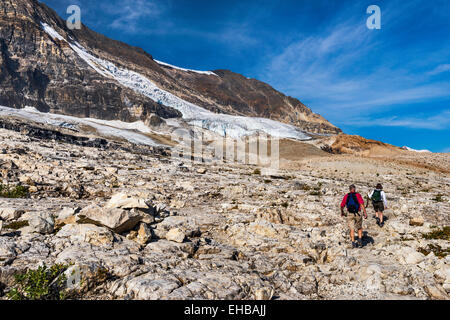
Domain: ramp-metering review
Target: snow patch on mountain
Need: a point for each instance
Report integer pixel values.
(51, 32)
(414, 150)
(209, 73)
(115, 129)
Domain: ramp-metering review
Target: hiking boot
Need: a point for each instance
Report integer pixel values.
(354, 244)
(381, 224)
(378, 221)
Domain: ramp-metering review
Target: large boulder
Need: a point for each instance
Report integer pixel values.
(435, 292)
(42, 223)
(123, 201)
(263, 293)
(144, 234)
(90, 233)
(9, 214)
(263, 228)
(176, 235)
(409, 255)
(416, 221)
(188, 224)
(67, 216)
(115, 219)
(7, 251)
(398, 227)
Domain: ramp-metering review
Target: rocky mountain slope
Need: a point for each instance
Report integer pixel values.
(93, 187)
(43, 65)
(137, 224)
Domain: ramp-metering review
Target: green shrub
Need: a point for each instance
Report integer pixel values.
(436, 249)
(257, 171)
(41, 284)
(442, 234)
(438, 198)
(13, 192)
(16, 225)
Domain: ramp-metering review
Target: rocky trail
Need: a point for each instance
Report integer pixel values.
(141, 225)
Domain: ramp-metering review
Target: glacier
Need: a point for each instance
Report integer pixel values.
(222, 124)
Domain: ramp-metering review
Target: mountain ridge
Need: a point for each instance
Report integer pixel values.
(45, 73)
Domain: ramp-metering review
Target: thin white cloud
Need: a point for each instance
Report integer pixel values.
(129, 14)
(326, 71)
(439, 121)
(440, 69)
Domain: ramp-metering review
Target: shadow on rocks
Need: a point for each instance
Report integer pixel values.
(366, 239)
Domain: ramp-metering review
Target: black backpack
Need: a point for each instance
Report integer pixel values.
(352, 203)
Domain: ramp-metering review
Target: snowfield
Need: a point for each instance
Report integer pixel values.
(51, 32)
(116, 129)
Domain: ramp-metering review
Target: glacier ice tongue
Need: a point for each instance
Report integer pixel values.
(223, 124)
(117, 129)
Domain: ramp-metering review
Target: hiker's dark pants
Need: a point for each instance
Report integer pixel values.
(378, 206)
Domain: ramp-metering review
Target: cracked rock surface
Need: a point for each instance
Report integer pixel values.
(162, 229)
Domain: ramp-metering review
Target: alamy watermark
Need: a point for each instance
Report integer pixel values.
(259, 149)
(374, 21)
(74, 21)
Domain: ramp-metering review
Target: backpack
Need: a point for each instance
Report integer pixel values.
(352, 203)
(376, 196)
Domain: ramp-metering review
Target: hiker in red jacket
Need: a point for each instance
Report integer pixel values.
(354, 202)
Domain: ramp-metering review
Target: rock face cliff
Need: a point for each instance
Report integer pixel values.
(44, 71)
(37, 70)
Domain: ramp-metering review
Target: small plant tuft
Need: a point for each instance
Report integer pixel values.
(436, 249)
(41, 284)
(441, 234)
(16, 225)
(13, 192)
(438, 198)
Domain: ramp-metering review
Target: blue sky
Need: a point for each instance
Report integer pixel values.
(391, 84)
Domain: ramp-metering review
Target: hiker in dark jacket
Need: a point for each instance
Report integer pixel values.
(354, 203)
(379, 201)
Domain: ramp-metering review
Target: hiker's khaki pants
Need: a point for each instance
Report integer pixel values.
(355, 221)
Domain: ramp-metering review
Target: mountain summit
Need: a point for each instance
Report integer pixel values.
(81, 73)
